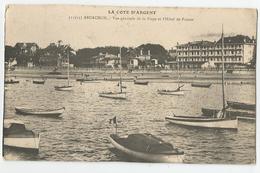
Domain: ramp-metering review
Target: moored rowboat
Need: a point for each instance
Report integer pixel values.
(138, 82)
(43, 112)
(38, 81)
(203, 85)
(61, 77)
(11, 81)
(147, 147)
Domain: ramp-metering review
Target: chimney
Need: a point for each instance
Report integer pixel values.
(149, 53)
(141, 52)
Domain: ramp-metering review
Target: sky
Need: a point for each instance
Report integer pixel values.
(44, 24)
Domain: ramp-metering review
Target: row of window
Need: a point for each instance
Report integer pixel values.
(226, 52)
(232, 46)
(227, 59)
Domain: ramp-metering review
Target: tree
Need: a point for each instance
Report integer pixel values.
(9, 53)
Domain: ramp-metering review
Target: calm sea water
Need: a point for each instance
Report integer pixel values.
(82, 132)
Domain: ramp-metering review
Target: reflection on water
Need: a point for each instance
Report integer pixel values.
(82, 132)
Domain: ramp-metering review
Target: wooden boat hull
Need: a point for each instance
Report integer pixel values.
(240, 114)
(28, 143)
(141, 82)
(203, 122)
(51, 113)
(202, 85)
(111, 95)
(240, 105)
(38, 82)
(63, 88)
(11, 82)
(163, 158)
(177, 93)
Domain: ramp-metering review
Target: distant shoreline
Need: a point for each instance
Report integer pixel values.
(169, 76)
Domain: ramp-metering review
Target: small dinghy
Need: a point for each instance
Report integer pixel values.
(202, 85)
(42, 112)
(11, 81)
(145, 147)
(38, 81)
(18, 137)
(61, 77)
(176, 92)
(113, 95)
(139, 82)
(170, 92)
(63, 88)
(241, 105)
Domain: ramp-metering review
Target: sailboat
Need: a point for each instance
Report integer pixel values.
(116, 95)
(177, 92)
(67, 87)
(220, 121)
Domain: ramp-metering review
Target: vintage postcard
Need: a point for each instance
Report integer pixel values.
(132, 84)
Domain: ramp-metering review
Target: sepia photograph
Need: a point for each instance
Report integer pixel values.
(130, 84)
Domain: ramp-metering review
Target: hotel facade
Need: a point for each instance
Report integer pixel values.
(238, 50)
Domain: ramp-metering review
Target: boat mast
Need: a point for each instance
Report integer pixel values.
(68, 67)
(178, 73)
(223, 68)
(120, 82)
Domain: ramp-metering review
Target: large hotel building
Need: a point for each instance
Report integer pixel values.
(238, 50)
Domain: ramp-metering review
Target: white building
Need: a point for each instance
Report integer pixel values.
(133, 63)
(238, 50)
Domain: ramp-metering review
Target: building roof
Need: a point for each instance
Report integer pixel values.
(197, 43)
(237, 39)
